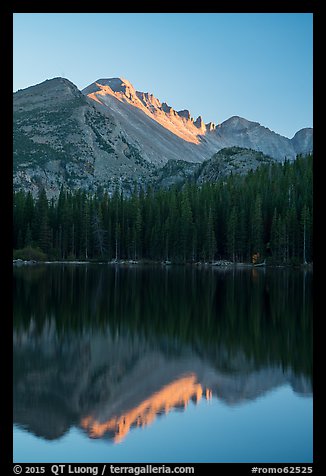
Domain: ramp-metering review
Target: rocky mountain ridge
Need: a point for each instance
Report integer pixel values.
(111, 135)
(230, 160)
(179, 122)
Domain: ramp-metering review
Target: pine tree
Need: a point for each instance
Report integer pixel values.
(186, 228)
(28, 236)
(99, 233)
(84, 227)
(137, 226)
(42, 222)
(257, 249)
(306, 228)
(232, 233)
(237, 218)
(29, 213)
(210, 244)
(18, 219)
(278, 238)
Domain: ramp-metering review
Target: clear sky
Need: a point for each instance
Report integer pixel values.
(257, 66)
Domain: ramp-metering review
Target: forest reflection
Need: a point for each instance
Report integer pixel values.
(109, 347)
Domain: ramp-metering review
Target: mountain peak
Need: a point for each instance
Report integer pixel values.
(110, 133)
(237, 122)
(48, 93)
(180, 123)
(47, 85)
(302, 141)
(118, 85)
(234, 131)
(306, 131)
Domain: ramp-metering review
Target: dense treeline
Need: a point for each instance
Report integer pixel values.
(266, 214)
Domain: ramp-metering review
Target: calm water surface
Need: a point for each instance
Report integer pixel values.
(162, 364)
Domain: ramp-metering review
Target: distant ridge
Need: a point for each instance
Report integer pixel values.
(111, 135)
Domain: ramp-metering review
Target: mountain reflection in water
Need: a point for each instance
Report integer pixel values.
(108, 349)
(176, 394)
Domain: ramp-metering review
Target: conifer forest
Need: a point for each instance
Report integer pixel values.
(264, 215)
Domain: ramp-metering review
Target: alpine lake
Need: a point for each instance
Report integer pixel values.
(153, 363)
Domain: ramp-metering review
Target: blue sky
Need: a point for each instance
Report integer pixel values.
(258, 66)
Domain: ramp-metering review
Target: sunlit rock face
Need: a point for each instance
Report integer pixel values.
(112, 135)
(235, 131)
(179, 123)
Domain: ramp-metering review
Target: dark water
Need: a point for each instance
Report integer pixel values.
(162, 364)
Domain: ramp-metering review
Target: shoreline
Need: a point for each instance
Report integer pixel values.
(220, 264)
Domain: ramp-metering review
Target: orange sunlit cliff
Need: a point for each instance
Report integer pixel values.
(177, 393)
(179, 123)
